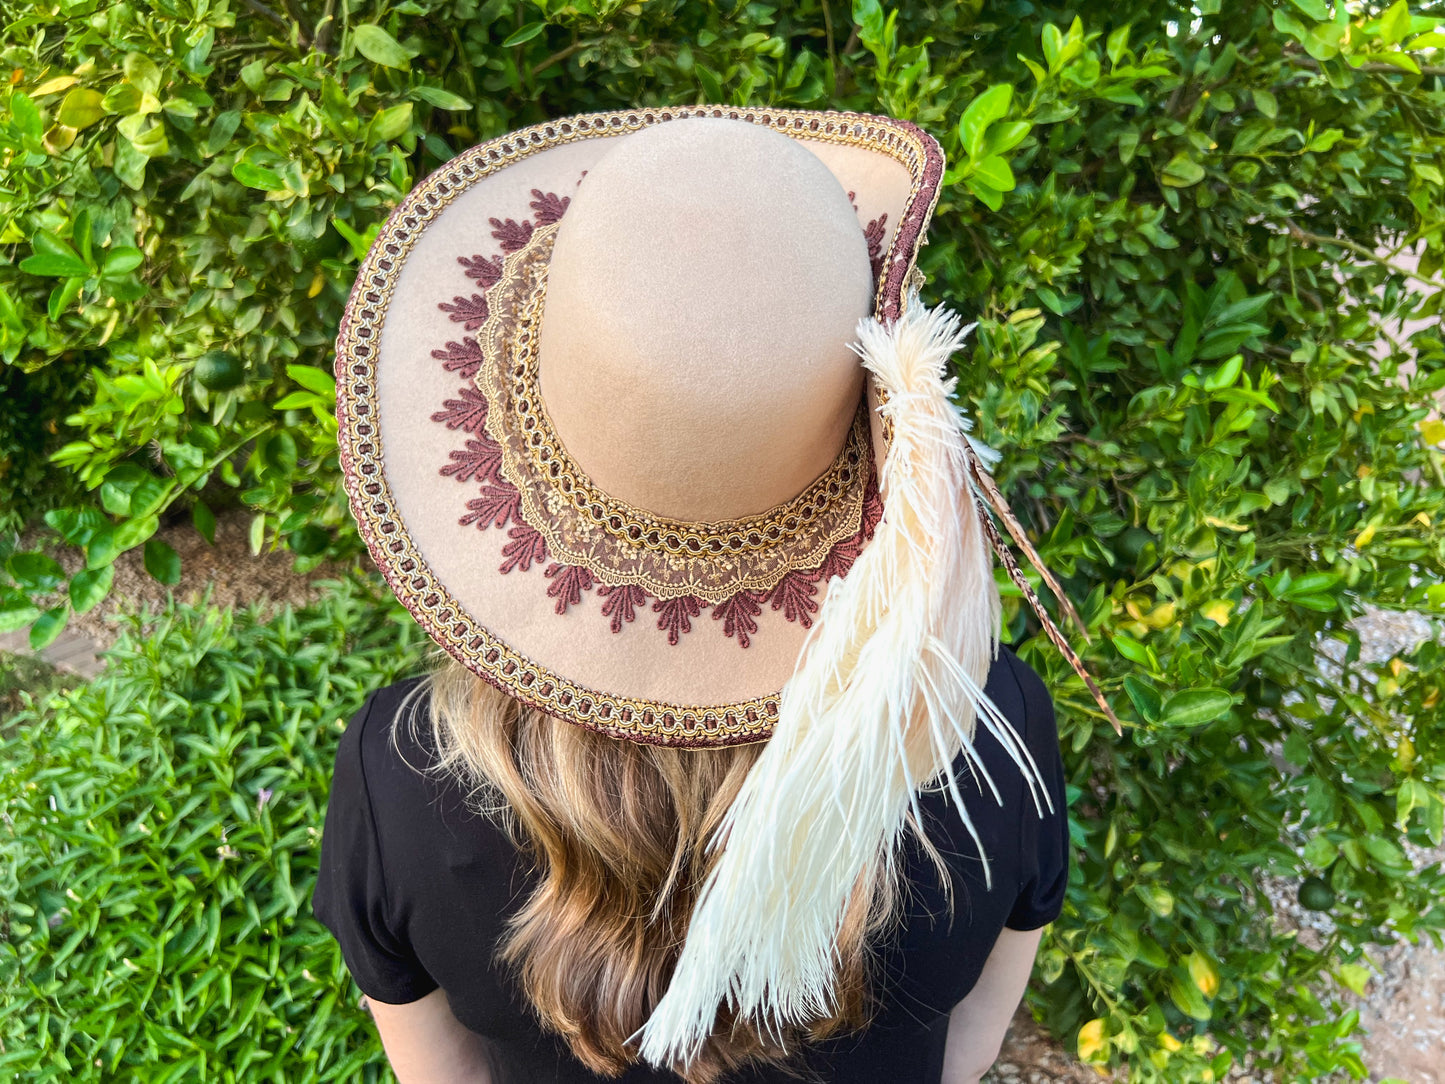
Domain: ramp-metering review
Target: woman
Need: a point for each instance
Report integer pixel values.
(610, 838)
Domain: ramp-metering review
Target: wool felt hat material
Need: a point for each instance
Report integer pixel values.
(642, 418)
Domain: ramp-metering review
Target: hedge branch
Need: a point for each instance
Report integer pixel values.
(1298, 234)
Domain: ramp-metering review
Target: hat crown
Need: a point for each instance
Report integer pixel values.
(702, 290)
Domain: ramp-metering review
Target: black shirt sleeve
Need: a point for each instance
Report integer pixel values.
(1044, 840)
(350, 898)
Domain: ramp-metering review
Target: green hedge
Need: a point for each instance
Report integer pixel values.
(1188, 236)
(160, 842)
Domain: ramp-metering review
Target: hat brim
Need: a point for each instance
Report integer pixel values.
(698, 689)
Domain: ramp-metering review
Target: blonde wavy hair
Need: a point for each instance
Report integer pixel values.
(617, 834)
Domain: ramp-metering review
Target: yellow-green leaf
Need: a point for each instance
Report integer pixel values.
(81, 108)
(1353, 977)
(1091, 1040)
(1204, 974)
(1218, 611)
(53, 86)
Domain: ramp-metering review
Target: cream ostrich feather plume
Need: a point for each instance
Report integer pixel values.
(888, 690)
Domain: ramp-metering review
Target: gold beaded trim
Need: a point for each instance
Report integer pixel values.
(381, 525)
(616, 542)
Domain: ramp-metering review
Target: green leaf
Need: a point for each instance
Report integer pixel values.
(1320, 851)
(89, 586)
(1315, 9)
(254, 176)
(204, 520)
(47, 627)
(1353, 976)
(133, 532)
(141, 72)
(442, 99)
(1395, 23)
(218, 136)
(391, 123)
(1146, 699)
(1182, 171)
(81, 108)
(54, 257)
(162, 562)
(313, 379)
(35, 571)
(379, 47)
(121, 261)
(1052, 40)
(1005, 136)
(991, 198)
(1196, 707)
(1117, 44)
(296, 400)
(15, 616)
(1157, 898)
(1187, 998)
(523, 34)
(995, 173)
(26, 114)
(1132, 649)
(122, 98)
(986, 108)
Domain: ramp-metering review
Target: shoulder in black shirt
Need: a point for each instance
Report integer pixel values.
(416, 889)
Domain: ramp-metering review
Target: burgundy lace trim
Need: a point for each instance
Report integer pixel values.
(497, 505)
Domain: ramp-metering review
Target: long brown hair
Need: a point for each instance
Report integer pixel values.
(617, 832)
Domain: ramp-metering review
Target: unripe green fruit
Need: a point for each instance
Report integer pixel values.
(219, 370)
(1316, 895)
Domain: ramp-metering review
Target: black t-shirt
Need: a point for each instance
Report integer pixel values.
(417, 889)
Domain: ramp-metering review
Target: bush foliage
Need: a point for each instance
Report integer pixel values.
(1189, 235)
(160, 845)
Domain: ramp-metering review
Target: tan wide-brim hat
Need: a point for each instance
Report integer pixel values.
(599, 420)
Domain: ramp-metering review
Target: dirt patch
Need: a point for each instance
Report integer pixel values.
(235, 577)
(1031, 1056)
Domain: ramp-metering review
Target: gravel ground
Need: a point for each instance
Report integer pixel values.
(1403, 1009)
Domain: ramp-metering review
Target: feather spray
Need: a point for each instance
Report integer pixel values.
(888, 690)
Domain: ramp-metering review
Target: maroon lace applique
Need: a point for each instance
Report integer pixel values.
(738, 615)
(793, 594)
(469, 412)
(568, 583)
(676, 615)
(621, 602)
(525, 547)
(512, 234)
(497, 504)
(548, 206)
(874, 234)
(463, 358)
(470, 312)
(479, 461)
(496, 507)
(485, 270)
